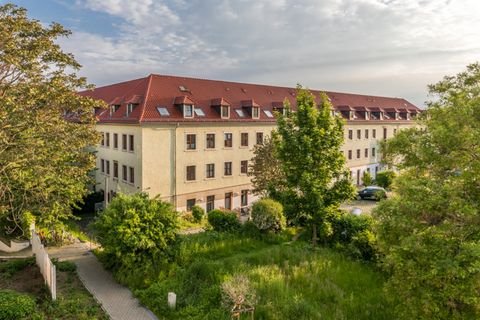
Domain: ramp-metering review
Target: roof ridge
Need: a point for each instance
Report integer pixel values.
(144, 105)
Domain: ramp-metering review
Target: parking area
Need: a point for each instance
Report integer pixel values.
(366, 206)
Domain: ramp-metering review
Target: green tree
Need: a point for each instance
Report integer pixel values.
(385, 178)
(135, 231)
(308, 147)
(44, 159)
(367, 178)
(429, 232)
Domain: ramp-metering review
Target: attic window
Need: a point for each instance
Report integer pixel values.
(114, 108)
(130, 108)
(225, 112)
(188, 110)
(240, 113)
(183, 89)
(163, 111)
(255, 112)
(268, 113)
(199, 112)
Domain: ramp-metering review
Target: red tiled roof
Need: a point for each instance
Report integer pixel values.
(165, 91)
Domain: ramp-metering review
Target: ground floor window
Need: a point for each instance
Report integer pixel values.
(210, 203)
(190, 204)
(244, 198)
(228, 200)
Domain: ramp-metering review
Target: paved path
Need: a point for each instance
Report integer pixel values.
(365, 205)
(115, 299)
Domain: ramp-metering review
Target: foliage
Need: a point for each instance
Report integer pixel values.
(385, 178)
(367, 179)
(267, 215)
(66, 266)
(237, 293)
(136, 231)
(198, 213)
(430, 231)
(46, 128)
(14, 305)
(10, 267)
(290, 280)
(308, 147)
(87, 204)
(223, 220)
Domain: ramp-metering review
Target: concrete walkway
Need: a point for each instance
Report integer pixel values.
(115, 299)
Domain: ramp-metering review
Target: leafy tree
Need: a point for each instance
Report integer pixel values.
(308, 147)
(267, 215)
(135, 230)
(430, 231)
(367, 178)
(44, 159)
(198, 213)
(385, 178)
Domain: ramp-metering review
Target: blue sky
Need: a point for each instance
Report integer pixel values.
(378, 47)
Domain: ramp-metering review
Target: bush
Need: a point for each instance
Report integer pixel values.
(367, 179)
(14, 305)
(223, 220)
(198, 213)
(267, 215)
(354, 234)
(384, 179)
(9, 268)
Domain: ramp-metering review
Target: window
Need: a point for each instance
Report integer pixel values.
(130, 108)
(190, 204)
(225, 111)
(373, 152)
(190, 173)
(244, 166)
(210, 140)
(228, 140)
(268, 113)
(358, 153)
(227, 169)
(115, 141)
(102, 165)
(374, 133)
(376, 170)
(244, 139)
(199, 112)
(350, 134)
(131, 143)
(124, 142)
(102, 142)
(384, 133)
(359, 134)
(124, 173)
(259, 137)
(394, 132)
(244, 198)
(163, 111)
(191, 141)
(255, 112)
(366, 152)
(188, 111)
(107, 165)
(349, 154)
(210, 170)
(210, 203)
(228, 200)
(115, 169)
(132, 175)
(240, 113)
(107, 139)
(366, 133)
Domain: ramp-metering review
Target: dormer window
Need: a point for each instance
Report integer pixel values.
(255, 112)
(188, 110)
(351, 115)
(225, 112)
(367, 115)
(114, 108)
(130, 108)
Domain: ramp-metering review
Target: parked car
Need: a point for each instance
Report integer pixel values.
(372, 192)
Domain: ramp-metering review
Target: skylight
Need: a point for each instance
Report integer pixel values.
(199, 112)
(268, 113)
(163, 111)
(240, 113)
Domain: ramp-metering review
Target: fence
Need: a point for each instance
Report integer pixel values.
(47, 268)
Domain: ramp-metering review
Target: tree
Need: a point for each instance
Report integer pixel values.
(308, 147)
(44, 159)
(429, 232)
(384, 179)
(367, 178)
(135, 230)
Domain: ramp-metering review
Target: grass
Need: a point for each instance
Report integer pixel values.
(292, 280)
(73, 300)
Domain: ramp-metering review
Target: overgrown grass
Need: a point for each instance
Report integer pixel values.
(292, 280)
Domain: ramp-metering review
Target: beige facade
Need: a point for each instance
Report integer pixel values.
(196, 162)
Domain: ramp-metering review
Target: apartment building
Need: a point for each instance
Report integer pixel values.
(191, 140)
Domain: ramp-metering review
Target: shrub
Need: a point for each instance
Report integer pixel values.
(267, 215)
(198, 213)
(9, 268)
(223, 220)
(384, 179)
(367, 179)
(14, 305)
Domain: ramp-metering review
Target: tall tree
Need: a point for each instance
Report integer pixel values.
(314, 166)
(430, 231)
(44, 159)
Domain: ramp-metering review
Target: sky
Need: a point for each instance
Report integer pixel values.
(377, 47)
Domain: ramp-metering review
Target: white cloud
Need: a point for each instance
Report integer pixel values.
(391, 47)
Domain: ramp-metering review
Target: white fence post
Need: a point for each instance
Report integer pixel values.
(47, 268)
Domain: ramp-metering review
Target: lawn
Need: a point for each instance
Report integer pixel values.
(73, 300)
(291, 280)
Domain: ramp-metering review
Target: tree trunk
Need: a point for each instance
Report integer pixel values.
(314, 235)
